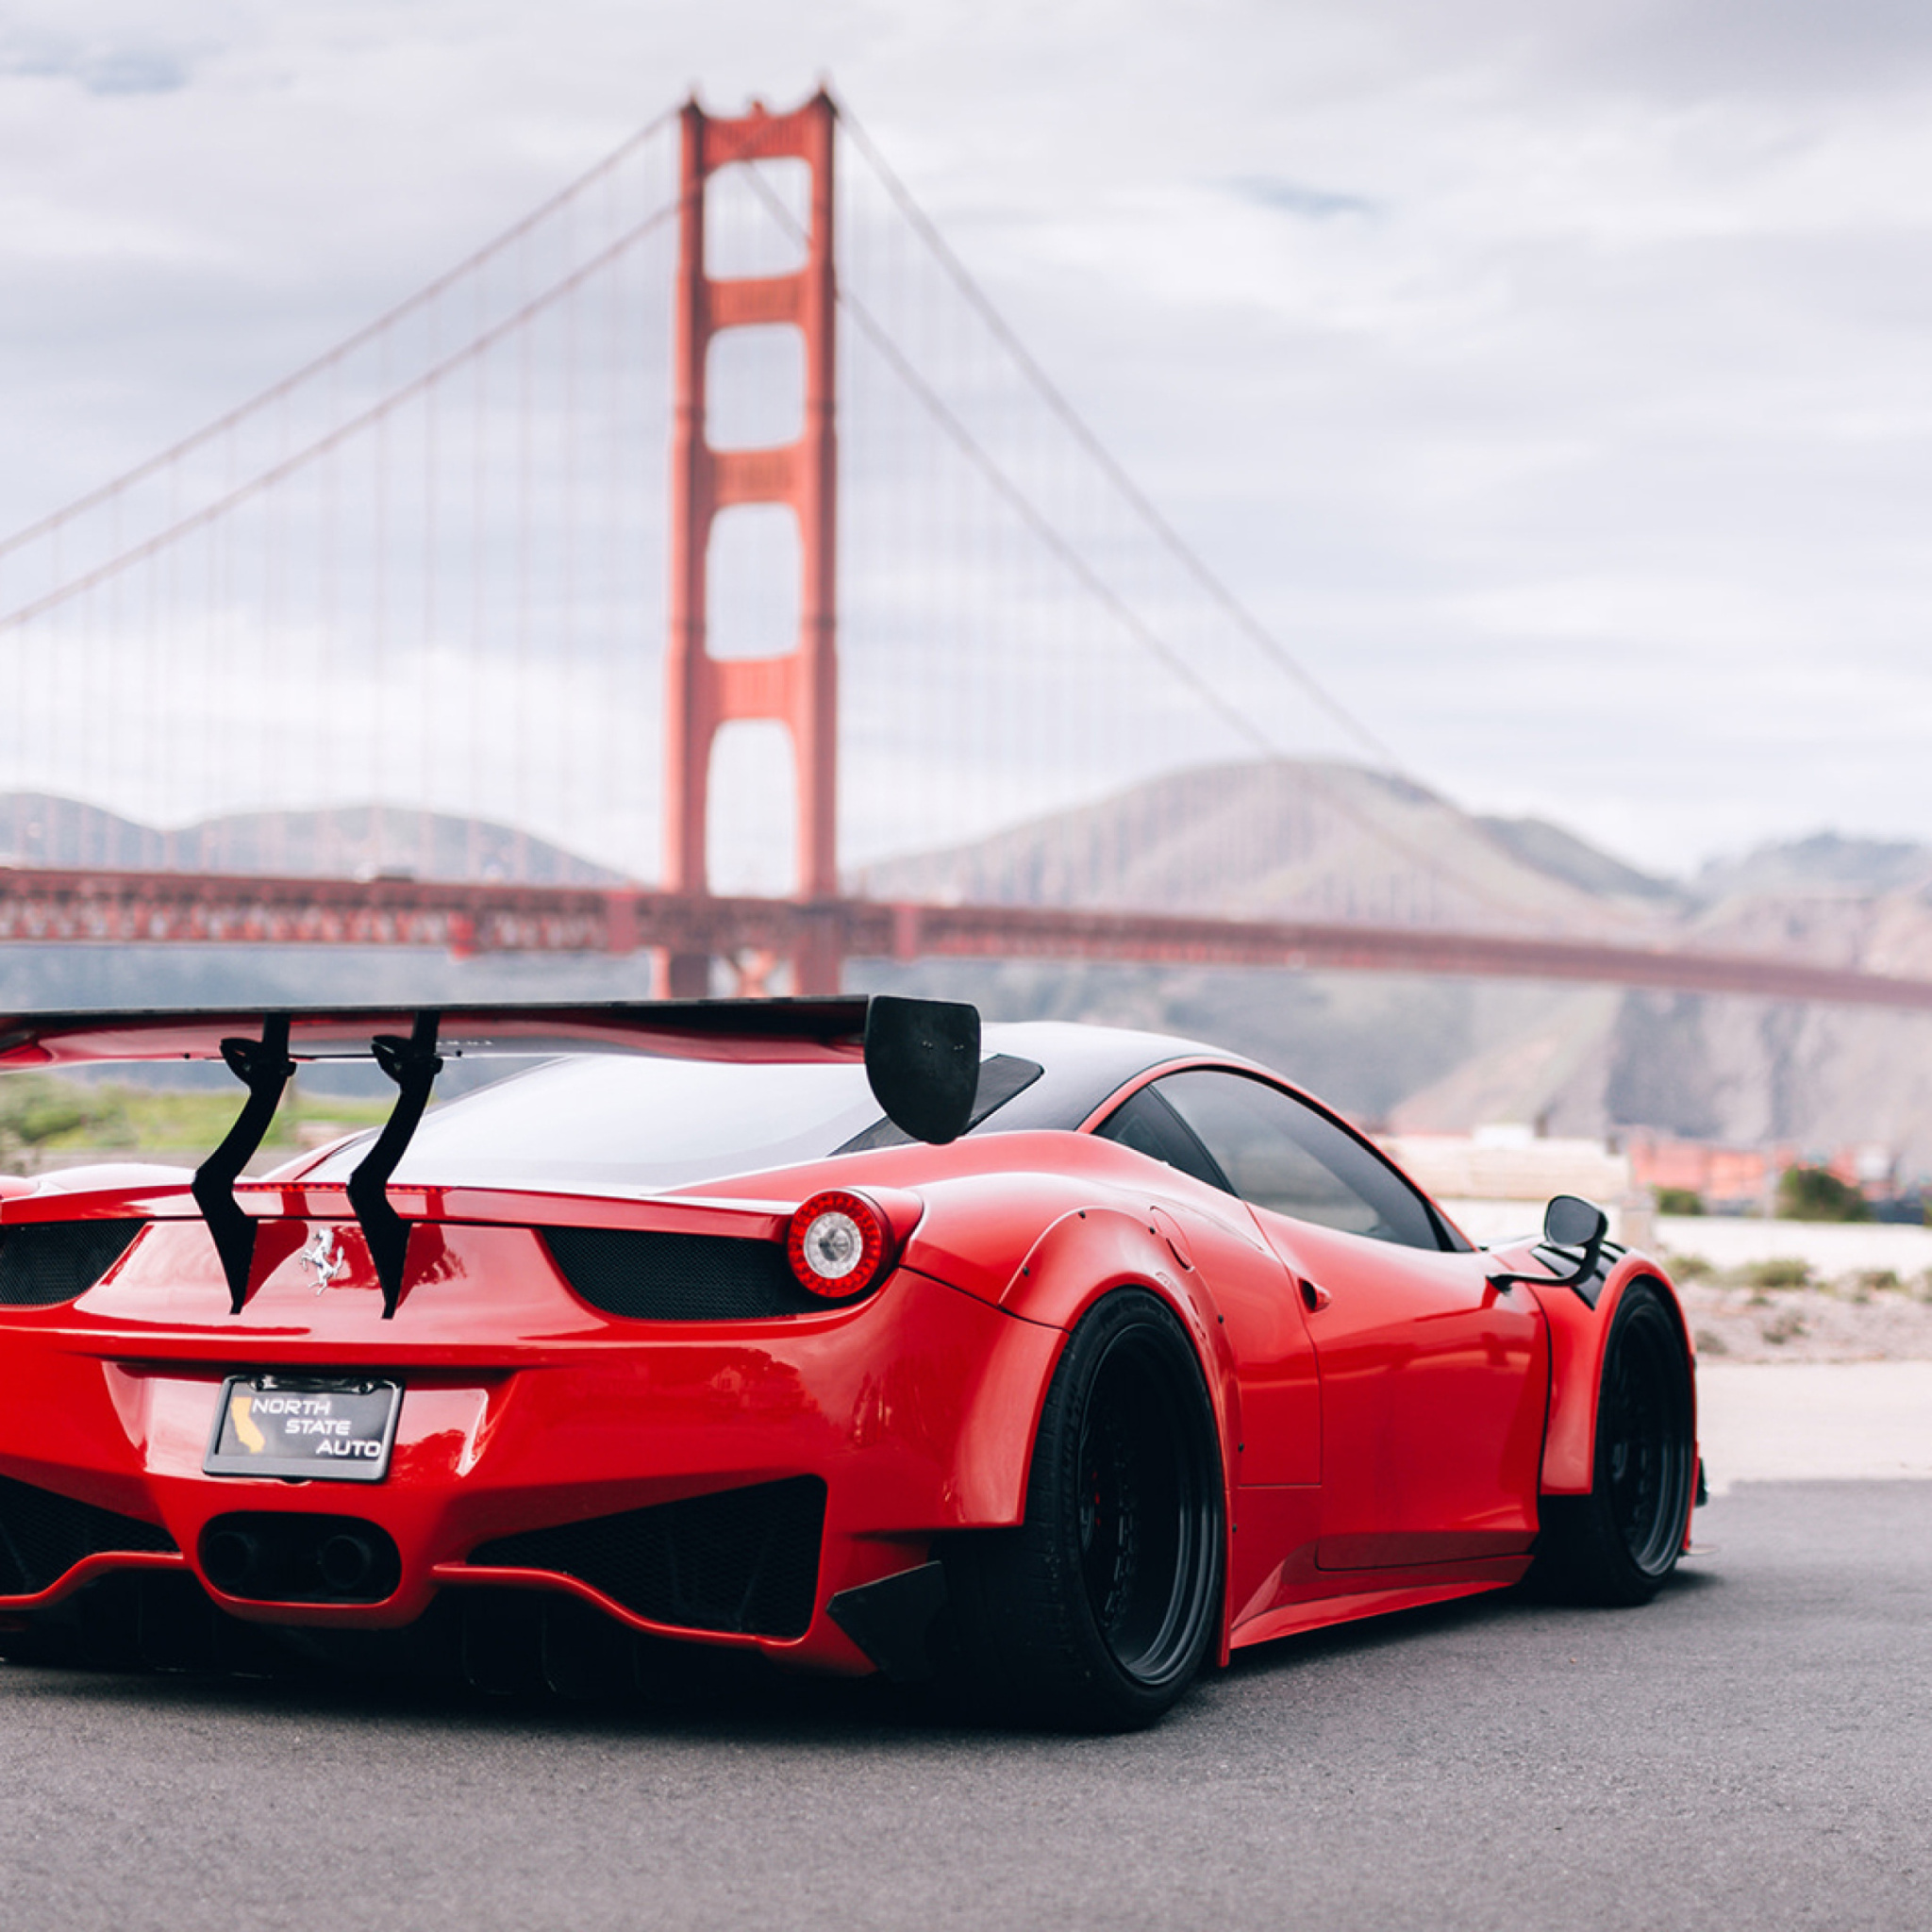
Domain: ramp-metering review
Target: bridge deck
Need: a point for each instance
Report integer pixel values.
(75, 908)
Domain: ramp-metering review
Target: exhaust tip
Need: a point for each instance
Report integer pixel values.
(265, 1557)
(230, 1558)
(345, 1562)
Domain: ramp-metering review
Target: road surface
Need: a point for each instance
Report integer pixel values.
(1754, 1750)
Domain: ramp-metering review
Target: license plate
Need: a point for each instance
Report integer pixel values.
(321, 1428)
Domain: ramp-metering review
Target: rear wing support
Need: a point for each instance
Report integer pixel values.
(264, 1067)
(414, 1065)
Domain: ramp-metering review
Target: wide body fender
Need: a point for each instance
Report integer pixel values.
(1091, 1253)
(1094, 1252)
(1578, 1336)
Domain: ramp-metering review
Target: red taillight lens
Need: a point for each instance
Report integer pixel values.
(838, 1245)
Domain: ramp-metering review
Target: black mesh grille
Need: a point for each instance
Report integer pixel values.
(677, 1277)
(741, 1560)
(43, 1262)
(43, 1536)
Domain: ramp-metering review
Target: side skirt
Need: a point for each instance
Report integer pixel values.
(1286, 1620)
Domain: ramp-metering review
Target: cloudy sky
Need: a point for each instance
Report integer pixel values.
(1553, 380)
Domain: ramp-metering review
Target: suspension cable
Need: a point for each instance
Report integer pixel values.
(1122, 612)
(1076, 426)
(343, 432)
(343, 349)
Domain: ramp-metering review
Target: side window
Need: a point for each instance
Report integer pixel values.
(1146, 1124)
(1282, 1155)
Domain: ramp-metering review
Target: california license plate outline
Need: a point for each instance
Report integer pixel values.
(362, 1458)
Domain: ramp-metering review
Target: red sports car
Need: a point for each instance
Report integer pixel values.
(1048, 1365)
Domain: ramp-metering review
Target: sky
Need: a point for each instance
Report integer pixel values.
(1550, 380)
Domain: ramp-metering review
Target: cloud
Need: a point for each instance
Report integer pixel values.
(1295, 198)
(1675, 50)
(131, 69)
(1788, 48)
(1514, 360)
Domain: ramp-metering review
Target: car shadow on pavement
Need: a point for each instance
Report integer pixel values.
(1504, 1612)
(700, 1695)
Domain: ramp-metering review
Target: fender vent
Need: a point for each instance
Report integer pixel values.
(42, 1535)
(739, 1560)
(648, 1276)
(43, 1262)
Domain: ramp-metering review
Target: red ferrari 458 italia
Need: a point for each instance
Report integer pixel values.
(1044, 1366)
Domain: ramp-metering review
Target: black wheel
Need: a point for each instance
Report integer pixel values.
(1097, 1612)
(1618, 1545)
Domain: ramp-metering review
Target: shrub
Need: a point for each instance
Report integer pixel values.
(1689, 1267)
(1679, 1201)
(1781, 1270)
(1815, 1193)
(35, 1109)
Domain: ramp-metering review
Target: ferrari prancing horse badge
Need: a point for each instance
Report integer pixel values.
(322, 1255)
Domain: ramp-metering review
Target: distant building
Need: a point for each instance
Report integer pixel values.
(1495, 1182)
(1743, 1180)
(1727, 1180)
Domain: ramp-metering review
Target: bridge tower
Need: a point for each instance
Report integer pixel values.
(799, 688)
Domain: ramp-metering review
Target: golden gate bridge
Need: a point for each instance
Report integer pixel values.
(889, 591)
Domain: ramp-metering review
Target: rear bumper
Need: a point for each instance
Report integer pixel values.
(909, 1416)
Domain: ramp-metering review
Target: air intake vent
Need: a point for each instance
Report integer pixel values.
(43, 1262)
(741, 1560)
(648, 1276)
(43, 1536)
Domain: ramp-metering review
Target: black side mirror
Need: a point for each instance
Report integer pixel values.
(1569, 1222)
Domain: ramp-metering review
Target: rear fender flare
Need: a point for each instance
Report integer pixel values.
(1087, 1254)
(1578, 1335)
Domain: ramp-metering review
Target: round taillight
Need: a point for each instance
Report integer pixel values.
(838, 1244)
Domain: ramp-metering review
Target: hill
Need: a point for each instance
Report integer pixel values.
(346, 842)
(1285, 840)
(341, 841)
(1291, 839)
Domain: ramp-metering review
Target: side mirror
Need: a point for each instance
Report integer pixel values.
(1569, 1222)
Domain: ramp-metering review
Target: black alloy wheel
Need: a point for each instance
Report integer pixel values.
(1616, 1545)
(1096, 1614)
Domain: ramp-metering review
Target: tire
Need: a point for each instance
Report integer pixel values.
(1616, 1545)
(1096, 1613)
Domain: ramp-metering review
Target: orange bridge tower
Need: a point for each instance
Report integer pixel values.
(799, 688)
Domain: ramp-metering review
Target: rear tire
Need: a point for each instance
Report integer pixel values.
(1096, 1613)
(1616, 1545)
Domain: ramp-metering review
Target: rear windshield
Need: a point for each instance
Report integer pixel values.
(633, 1122)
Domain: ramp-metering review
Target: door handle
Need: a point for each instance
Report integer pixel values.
(1313, 1298)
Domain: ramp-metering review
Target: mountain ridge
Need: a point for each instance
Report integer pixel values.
(325, 841)
(1435, 1054)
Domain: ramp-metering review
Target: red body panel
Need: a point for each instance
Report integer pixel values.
(1434, 1388)
(523, 1406)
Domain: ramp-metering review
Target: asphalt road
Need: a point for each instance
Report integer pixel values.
(1753, 1751)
